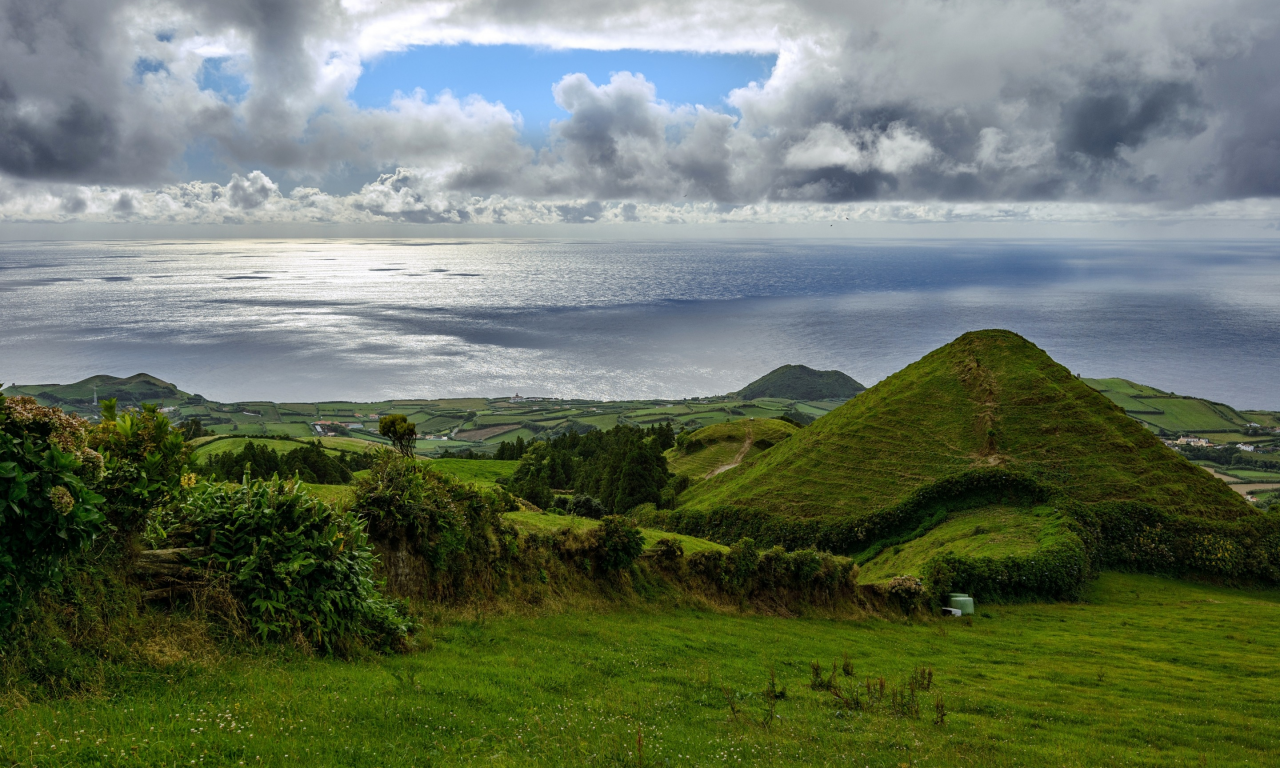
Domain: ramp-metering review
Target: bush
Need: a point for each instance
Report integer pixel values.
(455, 530)
(616, 543)
(586, 506)
(47, 507)
(1055, 572)
(300, 568)
(144, 458)
(668, 553)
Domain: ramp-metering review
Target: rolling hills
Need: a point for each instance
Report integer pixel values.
(987, 428)
(719, 447)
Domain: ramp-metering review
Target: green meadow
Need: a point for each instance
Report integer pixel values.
(1144, 671)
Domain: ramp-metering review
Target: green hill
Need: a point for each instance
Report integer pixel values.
(990, 422)
(133, 390)
(988, 399)
(720, 446)
(800, 382)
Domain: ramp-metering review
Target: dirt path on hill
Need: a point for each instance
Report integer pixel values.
(742, 454)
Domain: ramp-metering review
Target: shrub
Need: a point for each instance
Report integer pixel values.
(47, 507)
(586, 506)
(907, 591)
(456, 530)
(616, 543)
(1055, 572)
(300, 568)
(668, 553)
(144, 458)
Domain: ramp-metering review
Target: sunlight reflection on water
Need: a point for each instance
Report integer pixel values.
(308, 320)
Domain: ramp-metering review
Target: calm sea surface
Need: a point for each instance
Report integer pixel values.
(365, 320)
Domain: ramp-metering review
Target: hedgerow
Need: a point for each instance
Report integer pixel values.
(852, 535)
(47, 506)
(301, 569)
(438, 538)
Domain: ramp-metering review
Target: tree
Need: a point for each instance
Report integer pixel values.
(400, 431)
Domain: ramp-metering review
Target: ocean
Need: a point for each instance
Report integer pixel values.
(307, 320)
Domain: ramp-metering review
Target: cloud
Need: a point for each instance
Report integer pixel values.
(920, 104)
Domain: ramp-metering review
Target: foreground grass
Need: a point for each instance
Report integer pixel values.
(1148, 672)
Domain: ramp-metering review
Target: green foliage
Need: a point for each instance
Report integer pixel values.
(583, 505)
(800, 382)
(47, 507)
(623, 467)
(616, 543)
(455, 529)
(144, 458)
(745, 570)
(1052, 573)
(402, 433)
(310, 463)
(300, 568)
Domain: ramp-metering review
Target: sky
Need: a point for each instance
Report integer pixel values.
(517, 116)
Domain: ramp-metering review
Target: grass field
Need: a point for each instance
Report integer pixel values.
(1187, 415)
(540, 521)
(987, 532)
(237, 444)
(1147, 672)
(482, 472)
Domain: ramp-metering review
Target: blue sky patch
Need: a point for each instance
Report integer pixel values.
(521, 77)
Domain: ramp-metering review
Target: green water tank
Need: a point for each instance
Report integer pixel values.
(962, 603)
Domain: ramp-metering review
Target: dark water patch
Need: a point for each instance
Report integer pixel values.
(247, 277)
(35, 282)
(114, 279)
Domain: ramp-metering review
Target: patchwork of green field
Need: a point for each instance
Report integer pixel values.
(1188, 415)
(237, 444)
(1122, 387)
(544, 522)
(1143, 672)
(481, 472)
(987, 532)
(1253, 475)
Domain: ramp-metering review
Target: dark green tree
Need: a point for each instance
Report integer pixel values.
(402, 433)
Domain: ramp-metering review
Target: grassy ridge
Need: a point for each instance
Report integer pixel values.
(719, 444)
(1119, 679)
(990, 398)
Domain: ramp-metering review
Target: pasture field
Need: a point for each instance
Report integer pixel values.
(1145, 672)
(237, 444)
(484, 473)
(1187, 415)
(987, 532)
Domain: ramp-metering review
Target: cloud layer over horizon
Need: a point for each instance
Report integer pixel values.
(917, 109)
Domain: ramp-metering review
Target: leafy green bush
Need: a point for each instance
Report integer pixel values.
(616, 543)
(1055, 572)
(47, 507)
(454, 531)
(583, 505)
(300, 568)
(144, 459)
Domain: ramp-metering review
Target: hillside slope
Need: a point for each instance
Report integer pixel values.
(131, 390)
(718, 447)
(800, 382)
(987, 399)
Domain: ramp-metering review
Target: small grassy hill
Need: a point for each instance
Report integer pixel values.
(988, 399)
(985, 466)
(721, 445)
(800, 382)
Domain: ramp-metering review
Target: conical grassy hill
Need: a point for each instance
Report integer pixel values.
(989, 399)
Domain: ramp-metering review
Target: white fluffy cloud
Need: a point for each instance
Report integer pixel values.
(917, 108)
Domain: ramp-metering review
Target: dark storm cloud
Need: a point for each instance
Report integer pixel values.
(922, 100)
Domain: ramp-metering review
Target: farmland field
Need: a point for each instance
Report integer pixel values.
(483, 472)
(1187, 415)
(1146, 672)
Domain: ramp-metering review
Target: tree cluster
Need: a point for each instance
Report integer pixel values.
(309, 462)
(621, 468)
